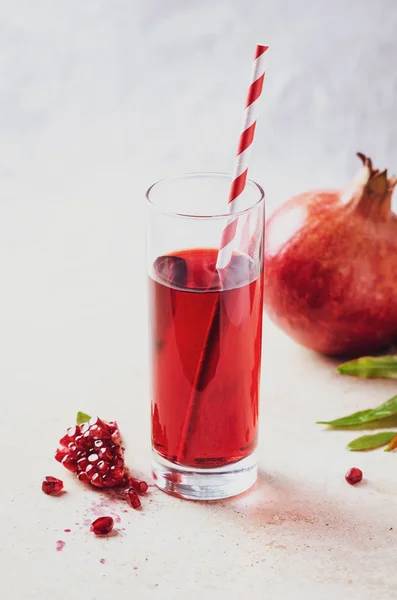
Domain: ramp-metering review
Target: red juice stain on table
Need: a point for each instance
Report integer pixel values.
(60, 545)
(187, 296)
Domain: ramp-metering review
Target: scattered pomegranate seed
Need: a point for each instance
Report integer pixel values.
(139, 486)
(354, 476)
(52, 485)
(132, 498)
(102, 525)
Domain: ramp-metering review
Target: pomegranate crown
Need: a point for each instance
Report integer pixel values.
(372, 191)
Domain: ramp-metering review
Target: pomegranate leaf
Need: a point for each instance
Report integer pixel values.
(385, 410)
(82, 418)
(371, 367)
(392, 445)
(370, 442)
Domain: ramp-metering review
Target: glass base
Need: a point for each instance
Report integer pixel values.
(204, 484)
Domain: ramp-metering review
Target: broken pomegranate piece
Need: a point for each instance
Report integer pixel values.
(94, 451)
(102, 525)
(52, 485)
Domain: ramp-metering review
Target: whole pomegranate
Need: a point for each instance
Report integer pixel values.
(331, 266)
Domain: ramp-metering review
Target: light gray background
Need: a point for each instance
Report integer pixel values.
(97, 100)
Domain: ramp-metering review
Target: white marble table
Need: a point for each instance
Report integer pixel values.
(97, 100)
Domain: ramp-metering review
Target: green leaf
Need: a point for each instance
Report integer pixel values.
(371, 367)
(387, 409)
(370, 442)
(82, 418)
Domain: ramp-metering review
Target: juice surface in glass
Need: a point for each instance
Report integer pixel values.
(206, 356)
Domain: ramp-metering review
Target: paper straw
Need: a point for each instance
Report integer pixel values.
(228, 239)
(242, 157)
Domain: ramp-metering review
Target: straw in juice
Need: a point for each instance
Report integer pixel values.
(235, 435)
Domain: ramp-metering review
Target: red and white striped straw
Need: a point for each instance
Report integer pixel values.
(242, 157)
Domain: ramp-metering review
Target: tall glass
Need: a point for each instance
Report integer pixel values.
(206, 335)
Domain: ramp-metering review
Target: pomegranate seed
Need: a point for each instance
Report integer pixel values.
(69, 437)
(93, 458)
(117, 473)
(108, 481)
(102, 431)
(70, 463)
(65, 440)
(82, 464)
(72, 432)
(118, 462)
(84, 428)
(98, 444)
(103, 467)
(90, 471)
(105, 454)
(139, 486)
(354, 476)
(83, 477)
(102, 525)
(72, 447)
(81, 442)
(97, 480)
(60, 454)
(96, 432)
(112, 426)
(86, 444)
(132, 498)
(96, 421)
(52, 485)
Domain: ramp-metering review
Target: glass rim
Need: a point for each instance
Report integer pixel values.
(224, 215)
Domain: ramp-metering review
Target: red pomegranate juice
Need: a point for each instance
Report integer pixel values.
(206, 356)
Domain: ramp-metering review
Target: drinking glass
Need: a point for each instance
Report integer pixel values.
(205, 335)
